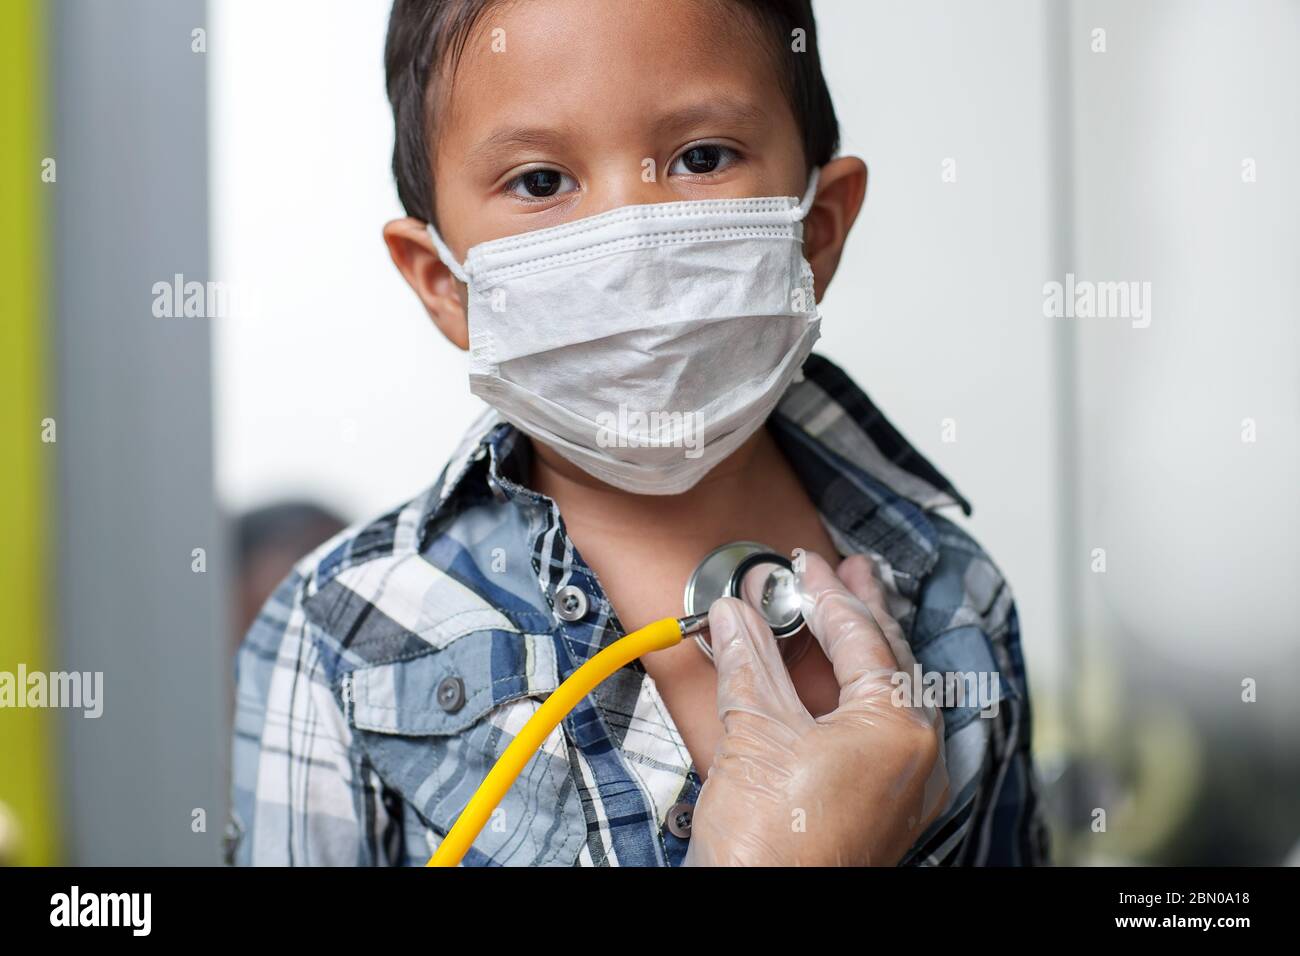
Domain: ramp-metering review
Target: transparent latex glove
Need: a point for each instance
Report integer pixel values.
(854, 787)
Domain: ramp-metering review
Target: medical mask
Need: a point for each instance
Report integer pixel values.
(647, 343)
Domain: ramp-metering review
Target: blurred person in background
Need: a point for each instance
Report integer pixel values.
(268, 540)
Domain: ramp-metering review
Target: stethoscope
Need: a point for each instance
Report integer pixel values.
(757, 575)
(747, 570)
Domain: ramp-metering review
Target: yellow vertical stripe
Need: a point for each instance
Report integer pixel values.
(26, 735)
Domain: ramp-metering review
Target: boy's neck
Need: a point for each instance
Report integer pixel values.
(721, 507)
(643, 548)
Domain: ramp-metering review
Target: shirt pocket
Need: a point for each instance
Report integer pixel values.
(433, 726)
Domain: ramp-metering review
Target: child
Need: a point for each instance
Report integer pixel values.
(654, 397)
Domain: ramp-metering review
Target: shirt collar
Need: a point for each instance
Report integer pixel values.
(869, 483)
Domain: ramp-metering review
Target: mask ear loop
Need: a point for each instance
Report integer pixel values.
(809, 195)
(797, 215)
(445, 254)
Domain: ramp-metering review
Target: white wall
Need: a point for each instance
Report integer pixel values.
(1200, 528)
(937, 308)
(340, 386)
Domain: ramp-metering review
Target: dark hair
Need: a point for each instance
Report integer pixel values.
(427, 37)
(296, 526)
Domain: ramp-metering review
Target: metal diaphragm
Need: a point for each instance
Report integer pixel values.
(757, 575)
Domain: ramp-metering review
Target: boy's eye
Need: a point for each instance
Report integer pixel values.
(540, 184)
(702, 160)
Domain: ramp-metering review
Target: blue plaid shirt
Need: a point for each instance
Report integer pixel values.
(388, 672)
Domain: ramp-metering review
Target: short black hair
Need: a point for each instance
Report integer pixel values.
(424, 36)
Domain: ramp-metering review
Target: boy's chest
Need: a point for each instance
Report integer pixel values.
(683, 678)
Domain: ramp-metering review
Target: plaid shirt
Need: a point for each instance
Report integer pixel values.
(388, 672)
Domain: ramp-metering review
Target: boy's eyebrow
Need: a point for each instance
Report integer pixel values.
(718, 109)
(534, 137)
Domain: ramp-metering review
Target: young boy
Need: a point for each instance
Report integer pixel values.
(391, 669)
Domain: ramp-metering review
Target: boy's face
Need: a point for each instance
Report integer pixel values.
(562, 109)
(588, 100)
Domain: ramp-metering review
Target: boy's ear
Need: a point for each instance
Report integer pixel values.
(840, 191)
(443, 296)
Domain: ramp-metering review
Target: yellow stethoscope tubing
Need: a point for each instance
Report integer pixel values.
(653, 637)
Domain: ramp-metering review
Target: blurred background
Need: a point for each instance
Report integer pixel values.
(1137, 485)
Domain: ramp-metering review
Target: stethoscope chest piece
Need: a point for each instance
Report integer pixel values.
(754, 573)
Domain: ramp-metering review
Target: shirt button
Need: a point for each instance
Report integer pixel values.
(451, 694)
(679, 819)
(570, 603)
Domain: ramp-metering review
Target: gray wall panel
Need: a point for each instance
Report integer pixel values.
(135, 436)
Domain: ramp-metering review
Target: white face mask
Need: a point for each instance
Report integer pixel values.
(647, 343)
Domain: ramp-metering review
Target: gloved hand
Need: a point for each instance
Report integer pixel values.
(854, 787)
